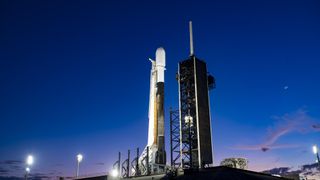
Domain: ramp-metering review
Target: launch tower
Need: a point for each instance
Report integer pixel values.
(194, 111)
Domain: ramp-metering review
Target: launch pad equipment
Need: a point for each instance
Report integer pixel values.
(194, 111)
(190, 125)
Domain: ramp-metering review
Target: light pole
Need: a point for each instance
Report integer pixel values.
(29, 162)
(79, 159)
(27, 173)
(315, 151)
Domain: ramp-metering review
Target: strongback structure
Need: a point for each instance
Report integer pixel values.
(194, 111)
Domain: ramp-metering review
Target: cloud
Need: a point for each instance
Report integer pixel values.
(39, 176)
(281, 170)
(59, 165)
(302, 170)
(264, 147)
(100, 163)
(10, 178)
(13, 162)
(309, 166)
(298, 121)
(16, 167)
(9, 168)
(3, 171)
(316, 127)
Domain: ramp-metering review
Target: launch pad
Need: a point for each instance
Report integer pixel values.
(190, 125)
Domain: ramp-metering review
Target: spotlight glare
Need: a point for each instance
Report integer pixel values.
(79, 157)
(29, 160)
(315, 149)
(114, 173)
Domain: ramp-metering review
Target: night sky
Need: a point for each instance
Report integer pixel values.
(74, 78)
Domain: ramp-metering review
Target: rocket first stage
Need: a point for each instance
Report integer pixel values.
(156, 143)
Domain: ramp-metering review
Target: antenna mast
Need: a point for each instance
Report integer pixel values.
(191, 39)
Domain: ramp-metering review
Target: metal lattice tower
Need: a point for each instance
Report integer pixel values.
(174, 138)
(188, 146)
(195, 121)
(125, 170)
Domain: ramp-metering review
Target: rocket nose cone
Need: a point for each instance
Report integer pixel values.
(161, 57)
(160, 49)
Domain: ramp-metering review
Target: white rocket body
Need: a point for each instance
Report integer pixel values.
(157, 155)
(156, 75)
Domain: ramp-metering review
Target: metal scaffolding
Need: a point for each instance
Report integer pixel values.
(126, 167)
(188, 121)
(195, 121)
(117, 164)
(144, 162)
(174, 138)
(135, 171)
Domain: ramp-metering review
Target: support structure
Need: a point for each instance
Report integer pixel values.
(144, 166)
(126, 166)
(174, 138)
(194, 111)
(135, 170)
(147, 162)
(116, 165)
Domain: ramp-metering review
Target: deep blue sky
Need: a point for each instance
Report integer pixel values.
(74, 77)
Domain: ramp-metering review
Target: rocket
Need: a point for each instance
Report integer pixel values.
(156, 141)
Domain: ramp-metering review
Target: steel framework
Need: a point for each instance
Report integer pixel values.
(174, 138)
(126, 167)
(135, 171)
(116, 165)
(144, 162)
(195, 121)
(188, 121)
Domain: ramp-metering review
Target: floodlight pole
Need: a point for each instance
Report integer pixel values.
(78, 166)
(29, 162)
(79, 159)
